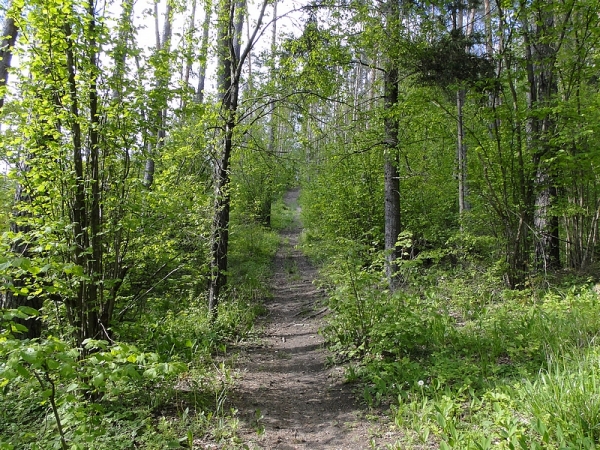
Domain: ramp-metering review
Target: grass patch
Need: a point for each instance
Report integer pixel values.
(282, 215)
(564, 400)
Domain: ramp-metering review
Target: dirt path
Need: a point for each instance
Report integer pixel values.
(287, 398)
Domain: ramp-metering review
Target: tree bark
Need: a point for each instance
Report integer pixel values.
(86, 309)
(222, 208)
(266, 199)
(240, 13)
(461, 146)
(392, 217)
(463, 203)
(7, 43)
(222, 204)
(77, 306)
(95, 265)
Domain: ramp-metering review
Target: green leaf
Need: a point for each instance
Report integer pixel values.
(31, 356)
(52, 364)
(29, 311)
(21, 370)
(98, 380)
(150, 373)
(18, 328)
(95, 344)
(66, 370)
(47, 393)
(131, 372)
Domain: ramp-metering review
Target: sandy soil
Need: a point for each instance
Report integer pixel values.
(287, 397)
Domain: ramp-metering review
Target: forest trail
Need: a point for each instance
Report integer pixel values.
(287, 397)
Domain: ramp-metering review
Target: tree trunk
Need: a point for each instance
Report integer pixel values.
(228, 94)
(87, 308)
(240, 12)
(203, 53)
(95, 264)
(229, 74)
(266, 199)
(220, 233)
(461, 146)
(161, 84)
(547, 250)
(543, 89)
(188, 54)
(463, 204)
(77, 306)
(392, 219)
(391, 179)
(7, 43)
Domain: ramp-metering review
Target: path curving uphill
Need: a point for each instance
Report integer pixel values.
(287, 398)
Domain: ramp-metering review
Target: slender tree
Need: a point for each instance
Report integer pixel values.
(162, 72)
(391, 152)
(230, 67)
(203, 53)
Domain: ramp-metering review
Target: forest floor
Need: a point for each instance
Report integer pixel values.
(288, 396)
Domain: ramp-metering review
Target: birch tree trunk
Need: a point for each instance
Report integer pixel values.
(461, 146)
(162, 83)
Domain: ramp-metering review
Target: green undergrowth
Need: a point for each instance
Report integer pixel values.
(162, 382)
(282, 215)
(465, 363)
